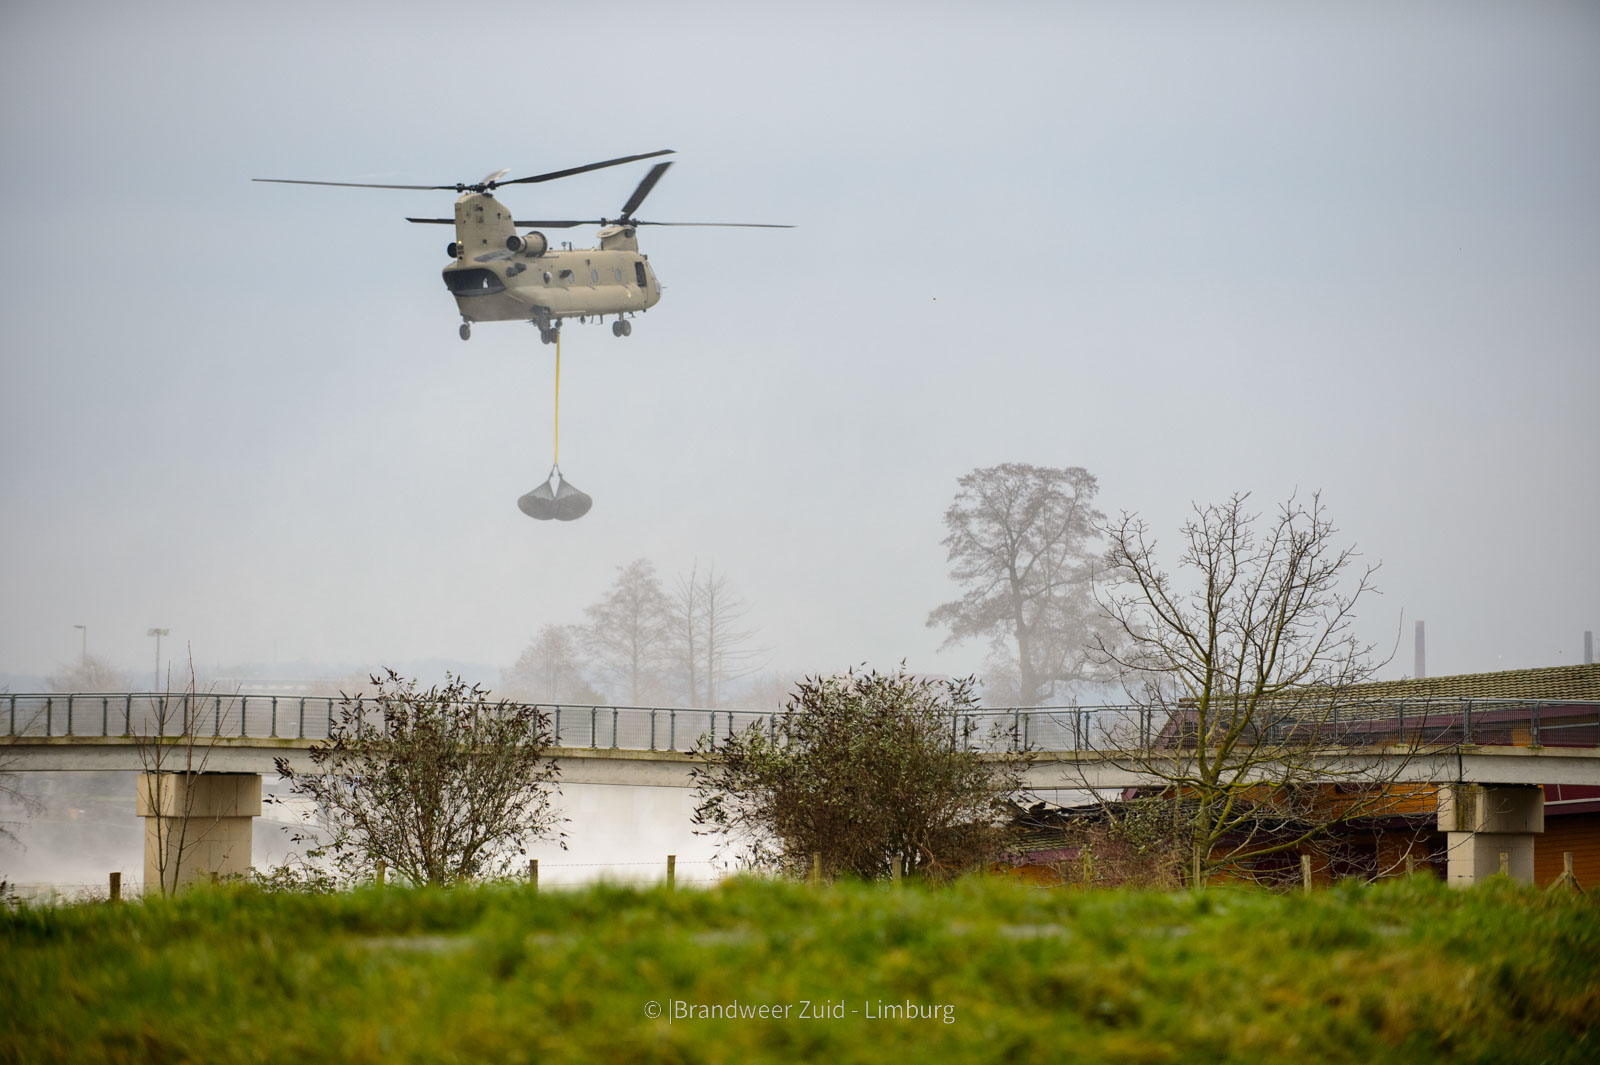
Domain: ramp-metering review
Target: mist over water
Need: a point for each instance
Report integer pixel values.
(88, 828)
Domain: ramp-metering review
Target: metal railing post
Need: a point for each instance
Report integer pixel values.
(614, 714)
(105, 715)
(652, 728)
(69, 714)
(1533, 726)
(672, 729)
(300, 729)
(216, 727)
(274, 716)
(49, 712)
(1016, 727)
(1466, 722)
(127, 715)
(593, 714)
(330, 716)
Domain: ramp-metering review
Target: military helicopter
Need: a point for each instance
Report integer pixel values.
(497, 275)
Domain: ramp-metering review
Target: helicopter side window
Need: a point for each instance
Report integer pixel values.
(547, 277)
(618, 272)
(594, 277)
(566, 277)
(638, 273)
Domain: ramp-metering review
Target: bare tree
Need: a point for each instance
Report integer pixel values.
(1239, 664)
(629, 632)
(1022, 542)
(551, 669)
(868, 774)
(175, 737)
(440, 785)
(710, 646)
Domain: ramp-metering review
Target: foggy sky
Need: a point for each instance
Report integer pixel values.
(1192, 248)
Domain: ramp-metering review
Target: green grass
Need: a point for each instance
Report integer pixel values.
(499, 974)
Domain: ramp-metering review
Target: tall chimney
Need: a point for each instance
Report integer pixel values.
(1421, 669)
(1588, 647)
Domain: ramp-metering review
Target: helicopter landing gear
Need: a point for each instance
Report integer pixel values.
(549, 334)
(465, 331)
(620, 328)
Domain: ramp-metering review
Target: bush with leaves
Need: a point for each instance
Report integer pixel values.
(863, 771)
(440, 785)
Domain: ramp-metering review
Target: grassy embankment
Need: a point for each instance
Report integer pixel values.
(500, 974)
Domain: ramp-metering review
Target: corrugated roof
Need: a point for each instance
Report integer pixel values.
(1554, 682)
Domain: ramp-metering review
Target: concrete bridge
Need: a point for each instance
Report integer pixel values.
(1504, 750)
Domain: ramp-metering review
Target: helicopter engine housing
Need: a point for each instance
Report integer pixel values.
(532, 244)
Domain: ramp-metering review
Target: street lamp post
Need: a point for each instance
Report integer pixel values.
(157, 633)
(83, 660)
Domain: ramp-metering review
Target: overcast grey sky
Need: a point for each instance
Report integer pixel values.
(1195, 248)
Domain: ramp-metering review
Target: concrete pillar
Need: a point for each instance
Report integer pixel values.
(1482, 822)
(197, 825)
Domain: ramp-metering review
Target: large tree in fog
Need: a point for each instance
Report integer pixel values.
(629, 634)
(711, 645)
(1022, 543)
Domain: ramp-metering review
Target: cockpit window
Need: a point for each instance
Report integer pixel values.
(473, 282)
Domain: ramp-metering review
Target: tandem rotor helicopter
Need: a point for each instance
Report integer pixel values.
(498, 275)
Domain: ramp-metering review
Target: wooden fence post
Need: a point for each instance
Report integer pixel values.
(533, 873)
(672, 871)
(816, 868)
(116, 883)
(1305, 872)
(383, 870)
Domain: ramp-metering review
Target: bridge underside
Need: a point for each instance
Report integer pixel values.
(1490, 802)
(671, 769)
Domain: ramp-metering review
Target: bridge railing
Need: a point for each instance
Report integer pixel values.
(1480, 722)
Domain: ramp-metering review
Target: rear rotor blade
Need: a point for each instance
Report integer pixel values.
(721, 225)
(579, 169)
(644, 188)
(488, 184)
(566, 223)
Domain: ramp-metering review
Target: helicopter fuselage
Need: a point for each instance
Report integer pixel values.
(498, 276)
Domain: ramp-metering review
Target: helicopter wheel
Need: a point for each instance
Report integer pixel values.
(616, 328)
(465, 331)
(627, 328)
(547, 335)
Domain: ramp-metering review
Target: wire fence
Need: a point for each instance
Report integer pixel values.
(679, 872)
(1482, 722)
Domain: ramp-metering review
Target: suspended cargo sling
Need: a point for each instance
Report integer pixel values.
(563, 502)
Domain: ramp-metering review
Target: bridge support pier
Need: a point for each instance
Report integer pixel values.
(1482, 822)
(196, 826)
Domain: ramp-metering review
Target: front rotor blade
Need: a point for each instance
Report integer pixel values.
(567, 223)
(580, 169)
(644, 188)
(356, 184)
(434, 221)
